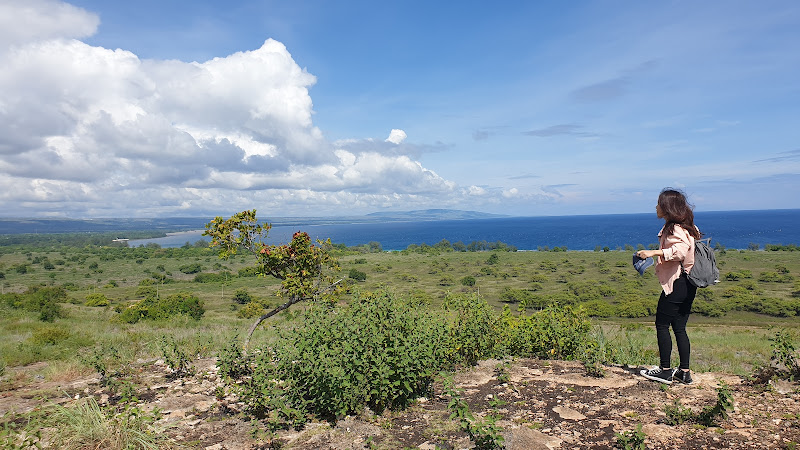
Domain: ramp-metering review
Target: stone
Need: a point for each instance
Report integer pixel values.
(782, 387)
(568, 413)
(524, 438)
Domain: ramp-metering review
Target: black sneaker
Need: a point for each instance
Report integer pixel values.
(683, 377)
(659, 374)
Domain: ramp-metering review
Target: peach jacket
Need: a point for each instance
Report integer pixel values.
(678, 248)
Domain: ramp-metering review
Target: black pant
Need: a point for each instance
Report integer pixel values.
(673, 311)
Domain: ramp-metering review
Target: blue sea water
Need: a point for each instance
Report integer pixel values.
(732, 229)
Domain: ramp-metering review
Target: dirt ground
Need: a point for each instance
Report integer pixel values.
(541, 404)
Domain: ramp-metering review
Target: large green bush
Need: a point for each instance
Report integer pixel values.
(378, 351)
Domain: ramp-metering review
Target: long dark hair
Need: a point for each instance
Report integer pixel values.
(677, 211)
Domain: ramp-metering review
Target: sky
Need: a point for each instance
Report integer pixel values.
(200, 108)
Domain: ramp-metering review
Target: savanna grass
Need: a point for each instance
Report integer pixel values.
(603, 282)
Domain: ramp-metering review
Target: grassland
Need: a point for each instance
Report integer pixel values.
(731, 337)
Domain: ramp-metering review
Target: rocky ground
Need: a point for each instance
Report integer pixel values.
(541, 404)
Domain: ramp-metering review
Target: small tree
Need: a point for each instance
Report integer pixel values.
(302, 267)
(241, 296)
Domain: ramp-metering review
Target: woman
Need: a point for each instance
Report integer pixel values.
(675, 259)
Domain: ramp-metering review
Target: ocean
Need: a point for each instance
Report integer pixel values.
(731, 229)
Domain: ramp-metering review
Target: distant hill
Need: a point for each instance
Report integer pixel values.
(433, 214)
(172, 224)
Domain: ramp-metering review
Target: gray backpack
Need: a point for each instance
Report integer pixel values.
(704, 273)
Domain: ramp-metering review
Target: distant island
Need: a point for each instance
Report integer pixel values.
(175, 224)
(434, 214)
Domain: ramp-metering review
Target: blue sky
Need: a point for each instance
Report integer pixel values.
(315, 108)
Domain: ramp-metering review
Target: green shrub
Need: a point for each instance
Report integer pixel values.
(146, 291)
(378, 351)
(708, 308)
(775, 277)
(97, 300)
(212, 277)
(249, 271)
(44, 300)
(598, 308)
(446, 280)
(511, 295)
(468, 281)
(191, 268)
(51, 334)
(635, 309)
(255, 308)
(473, 332)
(357, 275)
(585, 291)
(163, 308)
(242, 297)
(557, 332)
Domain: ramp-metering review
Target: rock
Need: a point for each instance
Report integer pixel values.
(524, 438)
(568, 414)
(203, 405)
(782, 387)
(215, 447)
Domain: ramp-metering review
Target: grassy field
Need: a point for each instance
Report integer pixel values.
(731, 338)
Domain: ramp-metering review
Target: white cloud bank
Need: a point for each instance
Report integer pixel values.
(88, 131)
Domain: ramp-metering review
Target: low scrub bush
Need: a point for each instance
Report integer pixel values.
(50, 334)
(39, 299)
(242, 296)
(357, 275)
(473, 333)
(212, 277)
(557, 332)
(635, 309)
(163, 308)
(191, 268)
(250, 271)
(97, 300)
(598, 308)
(255, 308)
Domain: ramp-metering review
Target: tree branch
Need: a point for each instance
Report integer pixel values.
(284, 306)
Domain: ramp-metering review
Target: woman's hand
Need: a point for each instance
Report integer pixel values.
(649, 253)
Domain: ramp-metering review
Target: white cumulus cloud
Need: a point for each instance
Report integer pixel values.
(397, 137)
(90, 131)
